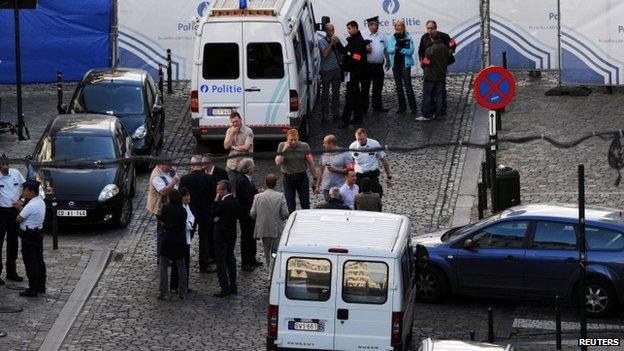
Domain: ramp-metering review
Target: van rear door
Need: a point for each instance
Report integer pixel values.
(220, 79)
(364, 304)
(266, 85)
(307, 302)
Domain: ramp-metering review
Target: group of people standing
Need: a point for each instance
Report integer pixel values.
(211, 201)
(361, 63)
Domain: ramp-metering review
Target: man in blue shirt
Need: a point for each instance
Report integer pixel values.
(331, 75)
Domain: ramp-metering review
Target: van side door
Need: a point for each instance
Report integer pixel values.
(307, 301)
(266, 83)
(364, 304)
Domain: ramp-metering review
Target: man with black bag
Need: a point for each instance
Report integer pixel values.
(354, 66)
(331, 72)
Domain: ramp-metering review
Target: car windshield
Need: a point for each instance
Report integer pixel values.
(459, 231)
(110, 98)
(77, 147)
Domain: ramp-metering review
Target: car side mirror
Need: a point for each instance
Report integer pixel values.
(469, 244)
(157, 109)
(62, 109)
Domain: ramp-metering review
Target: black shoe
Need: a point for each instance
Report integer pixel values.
(401, 110)
(381, 109)
(234, 291)
(248, 268)
(28, 293)
(221, 294)
(1, 282)
(15, 278)
(256, 263)
(41, 290)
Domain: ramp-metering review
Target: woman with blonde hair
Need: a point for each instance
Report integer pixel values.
(401, 51)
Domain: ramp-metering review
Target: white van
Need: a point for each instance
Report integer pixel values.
(262, 61)
(342, 280)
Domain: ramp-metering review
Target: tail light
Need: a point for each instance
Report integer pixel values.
(294, 101)
(272, 327)
(397, 326)
(194, 101)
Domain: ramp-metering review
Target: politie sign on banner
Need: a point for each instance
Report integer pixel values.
(494, 87)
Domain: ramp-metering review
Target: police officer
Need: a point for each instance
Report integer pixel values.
(376, 56)
(10, 190)
(354, 66)
(30, 219)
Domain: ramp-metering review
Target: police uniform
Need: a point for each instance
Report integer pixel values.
(354, 66)
(31, 233)
(366, 162)
(375, 66)
(10, 191)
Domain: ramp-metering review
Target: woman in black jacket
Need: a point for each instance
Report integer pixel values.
(173, 245)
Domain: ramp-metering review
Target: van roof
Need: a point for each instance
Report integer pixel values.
(363, 233)
(257, 10)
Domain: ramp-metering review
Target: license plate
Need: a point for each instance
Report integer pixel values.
(71, 213)
(214, 111)
(305, 326)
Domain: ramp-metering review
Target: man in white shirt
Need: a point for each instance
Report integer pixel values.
(161, 181)
(349, 189)
(30, 220)
(238, 140)
(11, 181)
(366, 160)
(377, 54)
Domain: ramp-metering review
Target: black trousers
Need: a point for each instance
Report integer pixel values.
(32, 253)
(10, 229)
(374, 75)
(226, 264)
(248, 243)
(353, 102)
(206, 244)
(374, 177)
(297, 184)
(173, 282)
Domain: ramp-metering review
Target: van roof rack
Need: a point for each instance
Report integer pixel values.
(254, 8)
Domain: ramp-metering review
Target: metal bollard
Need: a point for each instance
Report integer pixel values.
(490, 325)
(472, 335)
(480, 198)
(59, 91)
(54, 227)
(169, 73)
(558, 322)
(161, 83)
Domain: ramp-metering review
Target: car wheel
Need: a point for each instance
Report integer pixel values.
(431, 285)
(600, 298)
(125, 214)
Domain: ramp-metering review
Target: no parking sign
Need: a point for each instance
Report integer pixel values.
(494, 87)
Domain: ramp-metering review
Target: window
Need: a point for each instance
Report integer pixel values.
(111, 98)
(76, 147)
(265, 61)
(507, 234)
(308, 279)
(221, 61)
(298, 53)
(365, 282)
(603, 239)
(554, 236)
(406, 271)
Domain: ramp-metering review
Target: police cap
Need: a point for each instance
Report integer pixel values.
(373, 19)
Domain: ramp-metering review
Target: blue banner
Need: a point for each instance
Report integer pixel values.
(68, 35)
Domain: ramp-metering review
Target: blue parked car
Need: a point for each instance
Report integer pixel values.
(527, 252)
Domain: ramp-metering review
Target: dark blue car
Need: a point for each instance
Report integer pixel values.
(527, 252)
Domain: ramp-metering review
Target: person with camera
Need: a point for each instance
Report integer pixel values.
(354, 65)
(376, 56)
(331, 74)
(401, 51)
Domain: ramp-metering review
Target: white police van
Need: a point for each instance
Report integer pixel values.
(262, 61)
(342, 280)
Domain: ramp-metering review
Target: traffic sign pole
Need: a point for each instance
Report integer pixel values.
(491, 154)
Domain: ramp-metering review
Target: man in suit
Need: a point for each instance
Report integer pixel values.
(202, 190)
(269, 210)
(216, 174)
(245, 192)
(224, 213)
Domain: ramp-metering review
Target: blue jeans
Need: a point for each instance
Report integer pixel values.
(232, 176)
(432, 90)
(294, 184)
(164, 275)
(403, 81)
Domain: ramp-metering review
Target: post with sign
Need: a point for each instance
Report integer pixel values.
(494, 89)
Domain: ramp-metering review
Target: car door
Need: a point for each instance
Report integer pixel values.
(494, 266)
(266, 82)
(307, 302)
(364, 303)
(551, 260)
